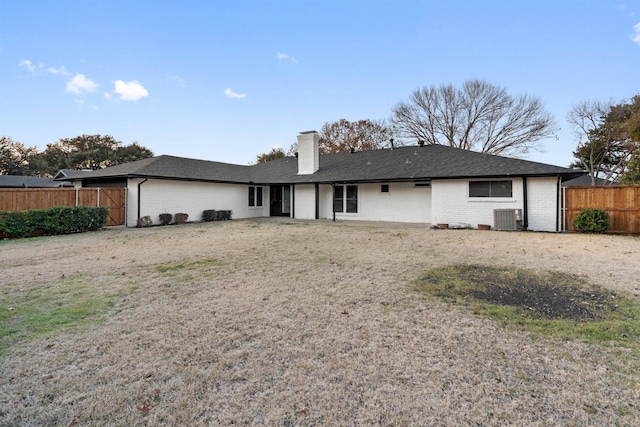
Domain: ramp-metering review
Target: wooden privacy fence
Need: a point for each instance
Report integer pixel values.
(622, 203)
(22, 199)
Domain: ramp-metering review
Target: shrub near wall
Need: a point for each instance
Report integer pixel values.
(181, 218)
(60, 220)
(165, 218)
(591, 221)
(213, 215)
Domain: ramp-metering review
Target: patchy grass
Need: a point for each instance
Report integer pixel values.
(44, 309)
(550, 303)
(163, 268)
(270, 336)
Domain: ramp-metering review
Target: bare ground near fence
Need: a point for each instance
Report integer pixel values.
(295, 323)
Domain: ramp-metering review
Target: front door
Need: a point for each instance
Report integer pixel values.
(280, 196)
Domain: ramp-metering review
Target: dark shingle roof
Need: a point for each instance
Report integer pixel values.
(585, 181)
(170, 167)
(405, 163)
(14, 181)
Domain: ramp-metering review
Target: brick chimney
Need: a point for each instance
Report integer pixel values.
(308, 154)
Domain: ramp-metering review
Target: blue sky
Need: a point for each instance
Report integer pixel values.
(229, 80)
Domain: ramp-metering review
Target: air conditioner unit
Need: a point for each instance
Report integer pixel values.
(507, 219)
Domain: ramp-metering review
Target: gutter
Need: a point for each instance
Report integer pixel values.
(525, 204)
(559, 188)
(317, 188)
(333, 203)
(140, 185)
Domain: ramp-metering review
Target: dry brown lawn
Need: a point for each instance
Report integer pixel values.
(293, 323)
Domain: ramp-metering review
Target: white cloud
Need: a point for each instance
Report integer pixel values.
(284, 57)
(58, 71)
(130, 91)
(30, 65)
(636, 36)
(79, 83)
(231, 94)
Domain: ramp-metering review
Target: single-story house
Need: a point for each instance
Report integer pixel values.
(585, 181)
(19, 181)
(423, 184)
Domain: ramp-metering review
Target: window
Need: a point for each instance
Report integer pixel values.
(352, 198)
(338, 198)
(255, 196)
(384, 188)
(490, 188)
(258, 196)
(347, 204)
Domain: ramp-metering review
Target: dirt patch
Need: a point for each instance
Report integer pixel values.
(552, 302)
(550, 295)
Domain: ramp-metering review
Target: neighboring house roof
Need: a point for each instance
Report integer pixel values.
(399, 164)
(16, 181)
(65, 173)
(585, 181)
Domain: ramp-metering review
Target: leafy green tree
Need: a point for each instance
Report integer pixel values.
(131, 153)
(275, 153)
(632, 174)
(608, 137)
(89, 152)
(15, 157)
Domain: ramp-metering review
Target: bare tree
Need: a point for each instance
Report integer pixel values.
(480, 116)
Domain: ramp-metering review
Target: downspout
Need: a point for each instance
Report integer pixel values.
(525, 204)
(317, 201)
(140, 185)
(293, 200)
(558, 189)
(333, 202)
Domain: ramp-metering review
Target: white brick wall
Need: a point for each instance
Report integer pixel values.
(451, 203)
(542, 195)
(403, 203)
(446, 201)
(326, 202)
(305, 201)
(166, 196)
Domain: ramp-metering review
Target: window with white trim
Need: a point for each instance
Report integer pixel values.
(345, 198)
(255, 196)
(491, 188)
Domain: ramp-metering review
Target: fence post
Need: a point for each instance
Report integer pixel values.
(76, 196)
(98, 197)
